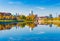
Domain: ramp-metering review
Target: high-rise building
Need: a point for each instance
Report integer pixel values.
(50, 16)
(31, 12)
(59, 15)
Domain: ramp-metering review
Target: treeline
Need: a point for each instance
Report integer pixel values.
(19, 17)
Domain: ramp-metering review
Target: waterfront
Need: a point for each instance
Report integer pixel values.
(29, 28)
(29, 20)
(24, 32)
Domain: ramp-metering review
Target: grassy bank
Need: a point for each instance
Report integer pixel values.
(15, 21)
(10, 20)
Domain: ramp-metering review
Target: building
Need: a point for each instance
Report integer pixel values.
(59, 16)
(31, 16)
(4, 13)
(31, 13)
(41, 19)
(50, 16)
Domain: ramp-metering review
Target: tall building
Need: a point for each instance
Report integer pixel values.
(50, 16)
(31, 12)
(59, 15)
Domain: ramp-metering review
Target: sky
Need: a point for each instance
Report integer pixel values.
(39, 7)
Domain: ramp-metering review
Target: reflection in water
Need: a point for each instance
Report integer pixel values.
(38, 33)
(7, 26)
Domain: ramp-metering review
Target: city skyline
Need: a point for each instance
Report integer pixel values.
(40, 7)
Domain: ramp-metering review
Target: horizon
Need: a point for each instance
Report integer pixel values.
(30, 13)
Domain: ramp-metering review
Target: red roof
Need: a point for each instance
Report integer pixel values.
(5, 13)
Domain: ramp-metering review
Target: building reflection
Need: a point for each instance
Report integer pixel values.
(31, 25)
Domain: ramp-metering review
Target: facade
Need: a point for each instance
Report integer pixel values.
(41, 19)
(50, 16)
(4, 13)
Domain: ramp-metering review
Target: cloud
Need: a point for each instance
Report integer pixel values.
(14, 2)
(41, 8)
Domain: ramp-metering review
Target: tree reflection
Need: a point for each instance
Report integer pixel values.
(31, 25)
(20, 24)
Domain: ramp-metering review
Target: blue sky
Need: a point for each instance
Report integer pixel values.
(40, 7)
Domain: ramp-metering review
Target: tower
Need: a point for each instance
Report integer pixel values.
(50, 16)
(31, 12)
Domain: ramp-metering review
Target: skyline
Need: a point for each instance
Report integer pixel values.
(40, 7)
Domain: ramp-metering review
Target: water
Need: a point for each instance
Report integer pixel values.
(16, 32)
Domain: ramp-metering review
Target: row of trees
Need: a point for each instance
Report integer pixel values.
(19, 17)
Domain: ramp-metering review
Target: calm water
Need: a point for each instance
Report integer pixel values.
(37, 33)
